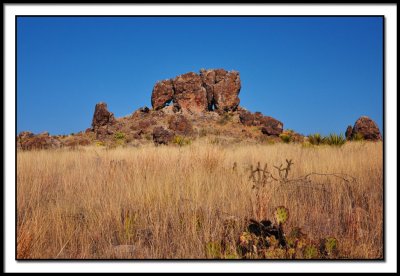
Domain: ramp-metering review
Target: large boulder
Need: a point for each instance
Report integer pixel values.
(366, 128)
(161, 136)
(180, 124)
(349, 132)
(213, 89)
(162, 94)
(222, 88)
(190, 95)
(269, 126)
(102, 117)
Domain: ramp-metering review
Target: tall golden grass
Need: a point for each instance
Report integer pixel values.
(170, 202)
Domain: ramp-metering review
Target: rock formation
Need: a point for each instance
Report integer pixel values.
(215, 89)
(366, 128)
(190, 104)
(102, 117)
(28, 141)
(162, 94)
(223, 88)
(180, 125)
(189, 93)
(348, 132)
(269, 125)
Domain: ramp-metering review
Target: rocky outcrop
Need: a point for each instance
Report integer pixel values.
(29, 141)
(101, 116)
(349, 132)
(102, 119)
(215, 89)
(162, 94)
(180, 125)
(367, 129)
(161, 136)
(269, 125)
(223, 89)
(189, 93)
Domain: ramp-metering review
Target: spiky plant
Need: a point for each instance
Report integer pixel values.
(316, 139)
(335, 140)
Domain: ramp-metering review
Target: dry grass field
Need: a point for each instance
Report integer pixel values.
(172, 202)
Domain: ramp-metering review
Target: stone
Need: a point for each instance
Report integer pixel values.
(190, 95)
(162, 94)
(222, 88)
(161, 136)
(208, 79)
(349, 133)
(180, 124)
(226, 91)
(24, 135)
(269, 126)
(367, 128)
(40, 141)
(144, 109)
(101, 116)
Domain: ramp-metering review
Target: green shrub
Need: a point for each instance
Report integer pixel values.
(335, 140)
(181, 141)
(316, 139)
(100, 144)
(286, 138)
(119, 135)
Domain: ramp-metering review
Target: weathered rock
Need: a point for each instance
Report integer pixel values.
(247, 118)
(208, 79)
(269, 125)
(226, 90)
(138, 134)
(144, 124)
(40, 141)
(190, 95)
(25, 135)
(222, 88)
(144, 109)
(367, 128)
(162, 94)
(180, 124)
(349, 132)
(102, 116)
(162, 136)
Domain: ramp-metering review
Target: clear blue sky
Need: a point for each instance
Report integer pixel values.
(315, 74)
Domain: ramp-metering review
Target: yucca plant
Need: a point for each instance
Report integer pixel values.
(335, 140)
(316, 139)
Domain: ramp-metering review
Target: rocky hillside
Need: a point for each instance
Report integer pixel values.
(188, 107)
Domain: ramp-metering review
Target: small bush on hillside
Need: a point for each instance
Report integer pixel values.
(286, 138)
(316, 139)
(119, 135)
(335, 140)
(181, 141)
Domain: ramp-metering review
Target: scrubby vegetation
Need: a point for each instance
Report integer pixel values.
(201, 201)
(332, 139)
